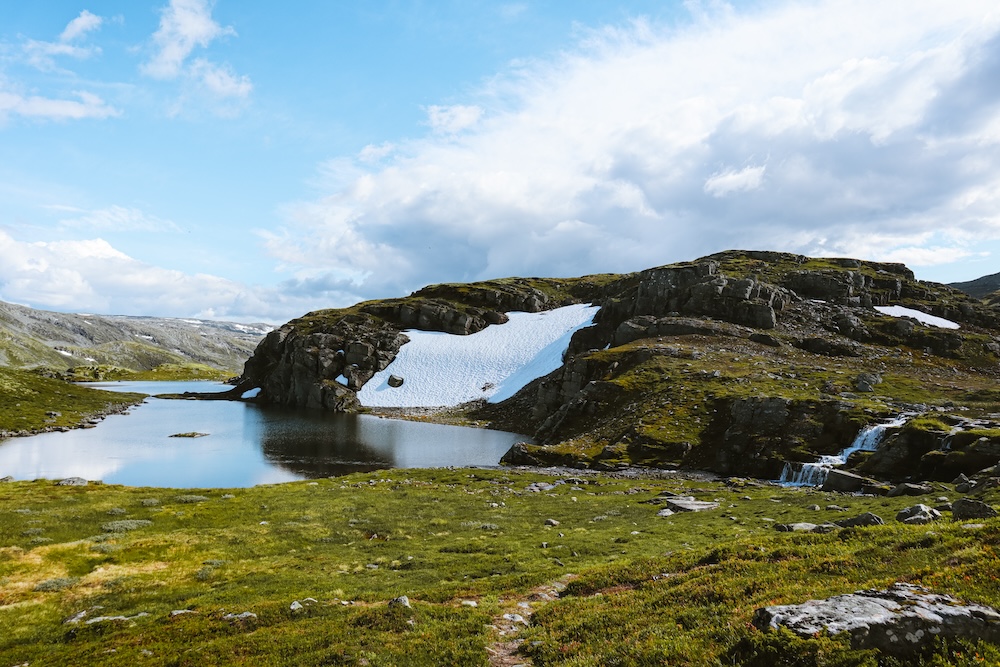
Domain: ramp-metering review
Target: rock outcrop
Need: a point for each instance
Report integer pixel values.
(901, 621)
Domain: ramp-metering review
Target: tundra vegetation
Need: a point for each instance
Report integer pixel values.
(112, 575)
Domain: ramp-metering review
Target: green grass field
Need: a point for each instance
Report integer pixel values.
(639, 589)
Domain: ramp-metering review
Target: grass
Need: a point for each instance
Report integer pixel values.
(30, 402)
(163, 372)
(642, 589)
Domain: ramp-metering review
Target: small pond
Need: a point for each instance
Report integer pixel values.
(246, 444)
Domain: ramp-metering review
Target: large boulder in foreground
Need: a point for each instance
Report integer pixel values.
(900, 621)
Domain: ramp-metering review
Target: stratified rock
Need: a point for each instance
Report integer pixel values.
(966, 508)
(866, 519)
(900, 621)
(918, 514)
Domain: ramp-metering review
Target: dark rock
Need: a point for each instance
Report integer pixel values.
(961, 479)
(866, 519)
(901, 621)
(395, 381)
(765, 339)
(910, 489)
(966, 508)
(918, 514)
(843, 481)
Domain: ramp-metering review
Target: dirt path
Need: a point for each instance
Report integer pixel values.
(515, 617)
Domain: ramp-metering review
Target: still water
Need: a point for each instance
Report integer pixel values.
(246, 444)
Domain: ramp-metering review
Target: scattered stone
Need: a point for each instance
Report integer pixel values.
(296, 606)
(181, 612)
(401, 601)
(551, 522)
(918, 514)
(665, 512)
(244, 617)
(966, 508)
(690, 505)
(188, 498)
(961, 479)
(125, 525)
(801, 527)
(836, 508)
(973, 526)
(72, 481)
(149, 502)
(910, 489)
(469, 603)
(814, 508)
(515, 618)
(964, 487)
(866, 519)
(227, 496)
(395, 381)
(866, 382)
(538, 487)
(117, 511)
(900, 621)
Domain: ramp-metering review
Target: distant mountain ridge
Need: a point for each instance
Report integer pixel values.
(31, 338)
(980, 287)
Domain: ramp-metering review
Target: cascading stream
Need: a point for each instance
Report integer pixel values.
(814, 474)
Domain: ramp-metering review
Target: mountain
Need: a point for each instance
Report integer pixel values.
(981, 288)
(739, 363)
(32, 338)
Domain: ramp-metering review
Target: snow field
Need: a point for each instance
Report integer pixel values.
(931, 320)
(440, 369)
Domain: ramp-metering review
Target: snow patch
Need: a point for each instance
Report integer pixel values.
(919, 316)
(442, 369)
(65, 353)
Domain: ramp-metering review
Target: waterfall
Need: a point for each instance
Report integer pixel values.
(814, 474)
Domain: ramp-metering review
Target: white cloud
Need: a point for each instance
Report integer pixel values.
(452, 119)
(35, 106)
(876, 119)
(80, 26)
(184, 26)
(93, 276)
(724, 183)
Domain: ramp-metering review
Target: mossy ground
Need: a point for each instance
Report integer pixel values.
(644, 589)
(30, 402)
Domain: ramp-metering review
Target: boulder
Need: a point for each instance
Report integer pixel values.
(395, 381)
(866, 519)
(846, 482)
(966, 508)
(910, 489)
(900, 621)
(72, 481)
(689, 505)
(918, 514)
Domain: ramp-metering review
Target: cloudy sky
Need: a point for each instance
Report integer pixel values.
(240, 160)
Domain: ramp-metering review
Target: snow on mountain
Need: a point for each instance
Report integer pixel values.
(442, 369)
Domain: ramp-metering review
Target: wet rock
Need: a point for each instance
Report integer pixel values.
(900, 621)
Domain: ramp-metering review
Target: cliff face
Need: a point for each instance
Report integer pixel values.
(736, 362)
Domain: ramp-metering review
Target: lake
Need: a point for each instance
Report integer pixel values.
(247, 444)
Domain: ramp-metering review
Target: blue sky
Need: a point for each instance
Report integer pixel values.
(249, 161)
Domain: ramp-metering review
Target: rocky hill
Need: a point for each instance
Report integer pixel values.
(738, 362)
(980, 288)
(32, 338)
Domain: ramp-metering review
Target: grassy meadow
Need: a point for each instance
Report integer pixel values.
(211, 576)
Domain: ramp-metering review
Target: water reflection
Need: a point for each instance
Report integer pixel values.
(247, 444)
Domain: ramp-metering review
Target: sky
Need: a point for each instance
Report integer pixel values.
(241, 160)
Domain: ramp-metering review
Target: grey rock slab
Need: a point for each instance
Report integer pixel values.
(918, 514)
(910, 489)
(899, 621)
(685, 505)
(72, 481)
(846, 482)
(866, 519)
(966, 508)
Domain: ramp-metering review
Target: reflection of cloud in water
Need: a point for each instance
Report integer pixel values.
(54, 458)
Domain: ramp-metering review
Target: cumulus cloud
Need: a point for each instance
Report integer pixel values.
(648, 143)
(186, 25)
(93, 276)
(452, 119)
(42, 54)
